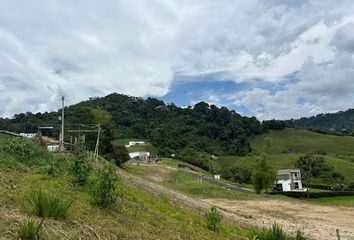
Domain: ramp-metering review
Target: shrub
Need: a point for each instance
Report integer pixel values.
(82, 169)
(30, 230)
(213, 219)
(121, 154)
(104, 187)
(44, 204)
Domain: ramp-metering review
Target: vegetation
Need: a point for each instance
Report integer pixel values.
(263, 176)
(46, 205)
(289, 145)
(303, 141)
(204, 127)
(104, 187)
(121, 154)
(82, 170)
(213, 219)
(335, 123)
(314, 166)
(276, 233)
(135, 219)
(30, 230)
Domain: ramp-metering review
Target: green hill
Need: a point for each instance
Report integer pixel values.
(289, 144)
(339, 123)
(292, 140)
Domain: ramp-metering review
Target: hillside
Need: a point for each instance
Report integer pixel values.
(289, 144)
(338, 123)
(292, 140)
(169, 128)
(136, 215)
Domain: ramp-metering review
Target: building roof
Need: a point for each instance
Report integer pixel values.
(287, 171)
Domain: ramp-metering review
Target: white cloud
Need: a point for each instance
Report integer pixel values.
(89, 48)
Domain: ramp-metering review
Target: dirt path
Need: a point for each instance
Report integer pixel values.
(317, 221)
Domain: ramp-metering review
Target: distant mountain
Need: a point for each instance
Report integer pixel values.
(336, 123)
(204, 127)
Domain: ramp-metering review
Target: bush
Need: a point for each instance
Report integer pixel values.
(45, 205)
(213, 219)
(104, 187)
(121, 154)
(82, 169)
(30, 230)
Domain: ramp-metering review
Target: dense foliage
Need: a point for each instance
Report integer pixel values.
(337, 123)
(314, 167)
(204, 127)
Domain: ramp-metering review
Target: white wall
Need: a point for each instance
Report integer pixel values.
(286, 185)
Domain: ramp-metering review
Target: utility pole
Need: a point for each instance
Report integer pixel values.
(61, 140)
(98, 141)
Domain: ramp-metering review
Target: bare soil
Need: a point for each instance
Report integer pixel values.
(317, 221)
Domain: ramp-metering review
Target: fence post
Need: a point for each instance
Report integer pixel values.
(338, 236)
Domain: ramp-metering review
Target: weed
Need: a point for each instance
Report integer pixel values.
(30, 230)
(44, 205)
(213, 219)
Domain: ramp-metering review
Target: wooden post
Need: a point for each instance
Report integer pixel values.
(338, 236)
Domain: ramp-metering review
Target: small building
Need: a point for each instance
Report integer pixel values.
(135, 143)
(217, 176)
(289, 180)
(28, 135)
(144, 156)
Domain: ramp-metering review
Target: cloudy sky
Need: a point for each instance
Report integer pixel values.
(269, 59)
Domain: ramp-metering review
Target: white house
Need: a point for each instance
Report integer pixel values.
(135, 143)
(28, 135)
(140, 155)
(289, 180)
(217, 176)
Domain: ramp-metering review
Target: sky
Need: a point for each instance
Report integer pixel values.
(270, 59)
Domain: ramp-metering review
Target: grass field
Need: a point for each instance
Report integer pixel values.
(288, 145)
(185, 183)
(292, 140)
(145, 148)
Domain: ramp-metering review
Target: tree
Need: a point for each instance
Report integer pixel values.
(264, 176)
(121, 154)
(312, 166)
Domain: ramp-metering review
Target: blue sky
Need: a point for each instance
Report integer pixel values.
(269, 59)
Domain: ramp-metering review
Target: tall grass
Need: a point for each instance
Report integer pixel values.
(46, 205)
(30, 230)
(276, 233)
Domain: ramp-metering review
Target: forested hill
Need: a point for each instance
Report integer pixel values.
(338, 123)
(203, 127)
